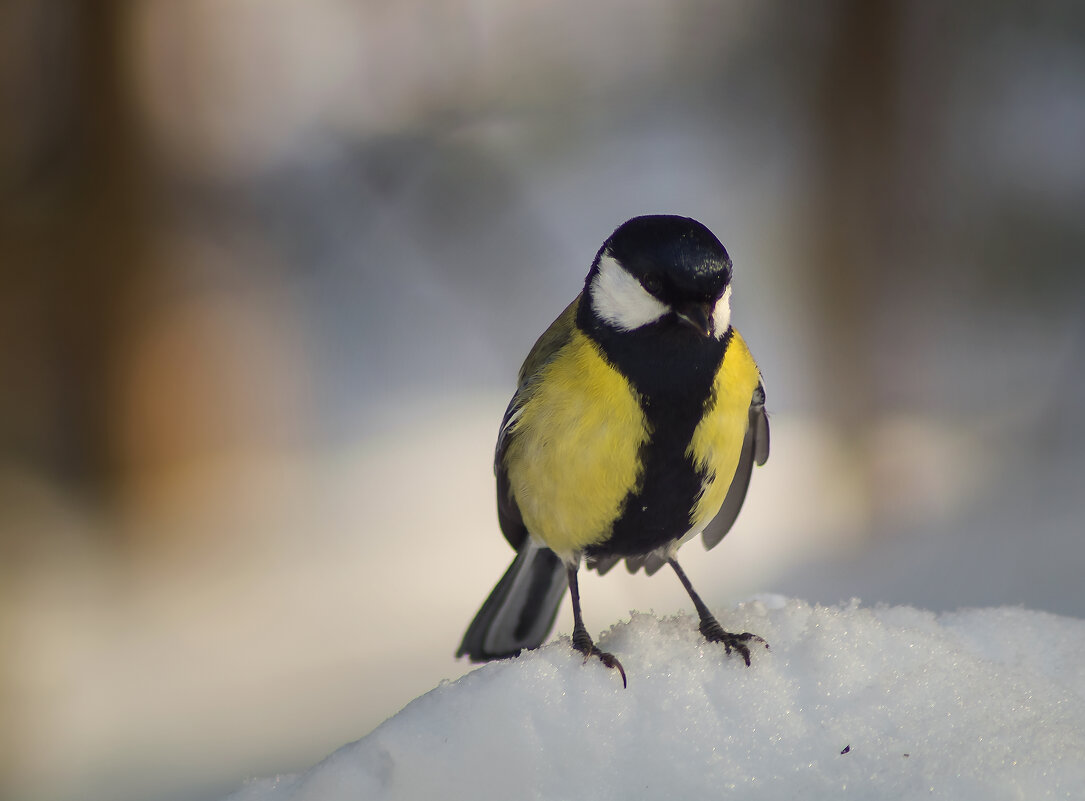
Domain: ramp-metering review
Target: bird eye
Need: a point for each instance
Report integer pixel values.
(652, 284)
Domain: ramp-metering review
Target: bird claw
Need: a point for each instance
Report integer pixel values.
(611, 661)
(713, 632)
(583, 643)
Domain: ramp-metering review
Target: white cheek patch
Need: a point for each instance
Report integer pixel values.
(721, 314)
(620, 300)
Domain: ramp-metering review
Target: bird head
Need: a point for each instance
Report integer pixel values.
(662, 270)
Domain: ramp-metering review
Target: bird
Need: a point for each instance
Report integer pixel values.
(635, 425)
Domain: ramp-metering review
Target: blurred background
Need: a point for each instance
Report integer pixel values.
(268, 269)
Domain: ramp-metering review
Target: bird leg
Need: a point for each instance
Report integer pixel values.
(581, 639)
(710, 627)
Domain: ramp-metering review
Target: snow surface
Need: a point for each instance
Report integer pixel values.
(850, 702)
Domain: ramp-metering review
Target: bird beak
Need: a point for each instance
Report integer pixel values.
(698, 315)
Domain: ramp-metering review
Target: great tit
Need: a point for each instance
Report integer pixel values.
(635, 425)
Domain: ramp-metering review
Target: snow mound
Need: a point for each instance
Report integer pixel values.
(872, 703)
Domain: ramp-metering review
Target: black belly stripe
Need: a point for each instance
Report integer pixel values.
(659, 510)
(673, 368)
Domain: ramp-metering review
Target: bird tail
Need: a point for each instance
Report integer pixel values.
(521, 609)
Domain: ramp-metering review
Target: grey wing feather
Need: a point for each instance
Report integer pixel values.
(651, 562)
(654, 562)
(755, 450)
(635, 563)
(759, 422)
(602, 564)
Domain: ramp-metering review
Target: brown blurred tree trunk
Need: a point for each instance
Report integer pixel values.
(73, 197)
(855, 190)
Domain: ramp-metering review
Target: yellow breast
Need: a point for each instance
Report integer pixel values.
(717, 440)
(573, 454)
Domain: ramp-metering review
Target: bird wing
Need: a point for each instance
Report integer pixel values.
(755, 450)
(541, 354)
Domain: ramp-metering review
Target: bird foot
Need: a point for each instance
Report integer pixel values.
(713, 632)
(582, 642)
